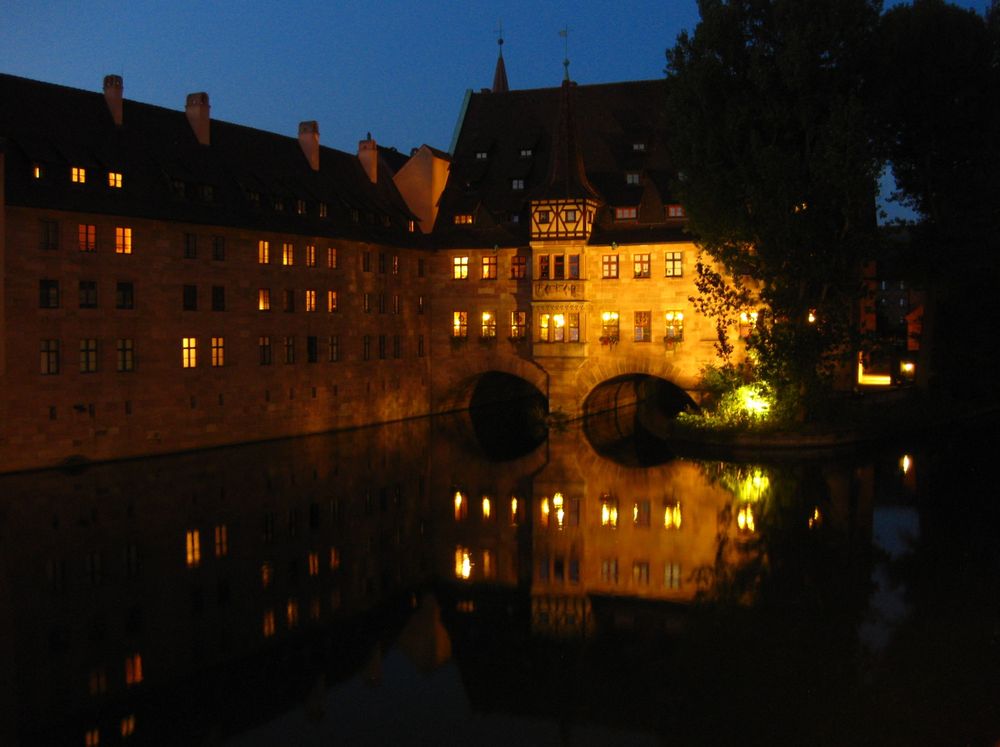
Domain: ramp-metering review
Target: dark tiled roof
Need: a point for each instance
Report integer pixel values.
(619, 128)
(168, 175)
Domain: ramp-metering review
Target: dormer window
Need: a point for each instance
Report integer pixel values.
(625, 213)
(36, 171)
(206, 192)
(675, 211)
(78, 175)
(632, 177)
(638, 147)
(481, 155)
(463, 219)
(115, 179)
(178, 188)
(300, 207)
(278, 204)
(322, 210)
(526, 153)
(253, 196)
(517, 184)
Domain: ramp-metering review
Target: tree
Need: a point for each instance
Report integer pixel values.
(935, 93)
(777, 168)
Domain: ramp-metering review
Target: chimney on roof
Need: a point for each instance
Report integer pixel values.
(309, 142)
(197, 109)
(113, 87)
(368, 155)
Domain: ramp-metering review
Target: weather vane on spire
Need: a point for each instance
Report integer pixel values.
(564, 33)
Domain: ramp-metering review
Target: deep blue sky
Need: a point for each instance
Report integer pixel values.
(396, 69)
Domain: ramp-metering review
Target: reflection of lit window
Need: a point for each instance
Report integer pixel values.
(558, 503)
(92, 738)
(744, 519)
(672, 575)
(127, 726)
(461, 506)
(906, 464)
(487, 508)
(334, 558)
(133, 669)
(488, 566)
(292, 613)
(192, 541)
(640, 573)
(816, 518)
(98, 681)
(545, 511)
(513, 510)
(609, 512)
(266, 573)
(463, 563)
(313, 564)
(268, 626)
(672, 516)
(609, 570)
(640, 513)
(221, 541)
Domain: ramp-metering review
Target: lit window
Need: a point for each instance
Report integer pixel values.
(626, 213)
(640, 513)
(87, 237)
(310, 300)
(518, 324)
(133, 669)
(481, 155)
(672, 267)
(268, 624)
(640, 265)
(519, 267)
(411, 226)
(460, 268)
(78, 175)
(675, 211)
(331, 301)
(609, 570)
(189, 352)
(460, 324)
(632, 177)
(218, 352)
(745, 520)
(463, 219)
(489, 325)
(263, 252)
(310, 255)
(192, 545)
(490, 267)
(331, 257)
(609, 266)
(672, 575)
(36, 171)
(115, 179)
(123, 240)
(643, 326)
(569, 216)
(672, 515)
(609, 512)
(221, 541)
(517, 184)
(525, 152)
(675, 326)
(287, 254)
(748, 320)
(264, 299)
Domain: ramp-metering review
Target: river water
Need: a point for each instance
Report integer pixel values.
(400, 585)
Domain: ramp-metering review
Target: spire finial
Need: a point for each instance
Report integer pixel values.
(499, 30)
(500, 74)
(564, 33)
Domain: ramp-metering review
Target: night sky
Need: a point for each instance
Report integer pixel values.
(396, 69)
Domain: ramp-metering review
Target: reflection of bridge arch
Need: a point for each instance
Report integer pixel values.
(456, 382)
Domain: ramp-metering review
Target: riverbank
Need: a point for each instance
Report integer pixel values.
(847, 424)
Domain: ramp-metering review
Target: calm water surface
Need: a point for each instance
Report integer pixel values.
(397, 585)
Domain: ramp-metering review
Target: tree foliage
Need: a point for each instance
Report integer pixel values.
(777, 169)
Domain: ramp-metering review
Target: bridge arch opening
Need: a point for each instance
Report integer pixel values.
(508, 415)
(627, 418)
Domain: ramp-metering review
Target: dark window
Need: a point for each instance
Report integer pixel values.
(218, 248)
(264, 345)
(381, 347)
(190, 246)
(312, 349)
(543, 267)
(289, 300)
(50, 357)
(289, 350)
(366, 261)
(48, 234)
(88, 294)
(519, 267)
(218, 298)
(397, 347)
(190, 298)
(125, 350)
(48, 294)
(335, 348)
(88, 355)
(381, 262)
(124, 295)
(366, 349)
(420, 346)
(559, 267)
(574, 266)
(421, 269)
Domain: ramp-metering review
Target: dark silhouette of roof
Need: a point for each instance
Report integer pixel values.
(574, 141)
(245, 177)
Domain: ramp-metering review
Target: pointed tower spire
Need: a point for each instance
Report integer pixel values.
(500, 75)
(567, 176)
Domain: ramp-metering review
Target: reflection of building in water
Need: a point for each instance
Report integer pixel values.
(603, 529)
(133, 585)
